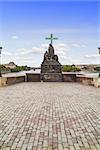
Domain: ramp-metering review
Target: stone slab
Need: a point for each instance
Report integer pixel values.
(33, 77)
(52, 77)
(14, 80)
(69, 77)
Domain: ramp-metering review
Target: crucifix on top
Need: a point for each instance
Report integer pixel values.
(51, 38)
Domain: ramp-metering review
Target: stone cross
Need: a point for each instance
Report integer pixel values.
(51, 38)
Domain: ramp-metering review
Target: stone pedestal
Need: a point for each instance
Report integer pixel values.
(51, 77)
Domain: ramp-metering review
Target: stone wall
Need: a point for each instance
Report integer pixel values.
(85, 80)
(96, 82)
(36, 77)
(30, 77)
(14, 80)
(69, 77)
(3, 81)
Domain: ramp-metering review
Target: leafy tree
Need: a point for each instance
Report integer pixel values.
(20, 68)
(3, 68)
(70, 68)
(97, 69)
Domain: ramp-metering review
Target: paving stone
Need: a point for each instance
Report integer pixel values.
(49, 116)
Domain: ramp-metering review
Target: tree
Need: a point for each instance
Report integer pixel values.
(70, 68)
(20, 68)
(97, 69)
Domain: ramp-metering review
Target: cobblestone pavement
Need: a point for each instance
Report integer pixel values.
(49, 116)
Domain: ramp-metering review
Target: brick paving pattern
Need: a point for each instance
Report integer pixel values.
(49, 116)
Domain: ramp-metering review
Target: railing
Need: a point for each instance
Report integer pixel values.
(5, 71)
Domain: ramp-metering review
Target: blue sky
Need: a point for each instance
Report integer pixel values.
(25, 24)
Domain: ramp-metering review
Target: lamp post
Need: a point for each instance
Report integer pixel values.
(99, 49)
(99, 53)
(0, 60)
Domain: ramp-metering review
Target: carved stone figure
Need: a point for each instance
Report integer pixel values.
(46, 56)
(50, 67)
(51, 50)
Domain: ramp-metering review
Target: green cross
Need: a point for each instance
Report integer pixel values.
(51, 38)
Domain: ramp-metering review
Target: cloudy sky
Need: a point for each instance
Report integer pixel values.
(25, 24)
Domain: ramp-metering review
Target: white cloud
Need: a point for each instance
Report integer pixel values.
(44, 46)
(6, 53)
(62, 45)
(78, 45)
(14, 37)
(23, 51)
(75, 45)
(23, 55)
(92, 56)
(69, 60)
(83, 45)
(33, 56)
(38, 50)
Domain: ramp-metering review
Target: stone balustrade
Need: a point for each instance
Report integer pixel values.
(36, 77)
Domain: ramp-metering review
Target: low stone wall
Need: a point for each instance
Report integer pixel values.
(36, 77)
(69, 77)
(85, 80)
(30, 77)
(96, 82)
(3, 81)
(14, 80)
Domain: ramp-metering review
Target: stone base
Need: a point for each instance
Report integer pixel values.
(51, 77)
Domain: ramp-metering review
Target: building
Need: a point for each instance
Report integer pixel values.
(11, 65)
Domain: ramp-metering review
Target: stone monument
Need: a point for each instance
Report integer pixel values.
(51, 67)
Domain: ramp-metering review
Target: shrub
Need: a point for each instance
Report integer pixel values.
(70, 68)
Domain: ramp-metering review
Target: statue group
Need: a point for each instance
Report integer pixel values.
(51, 67)
(49, 55)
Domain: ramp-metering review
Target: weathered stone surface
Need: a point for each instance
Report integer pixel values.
(3, 81)
(69, 77)
(51, 67)
(96, 82)
(33, 77)
(16, 79)
(54, 77)
(49, 116)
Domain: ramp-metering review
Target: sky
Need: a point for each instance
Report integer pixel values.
(24, 25)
